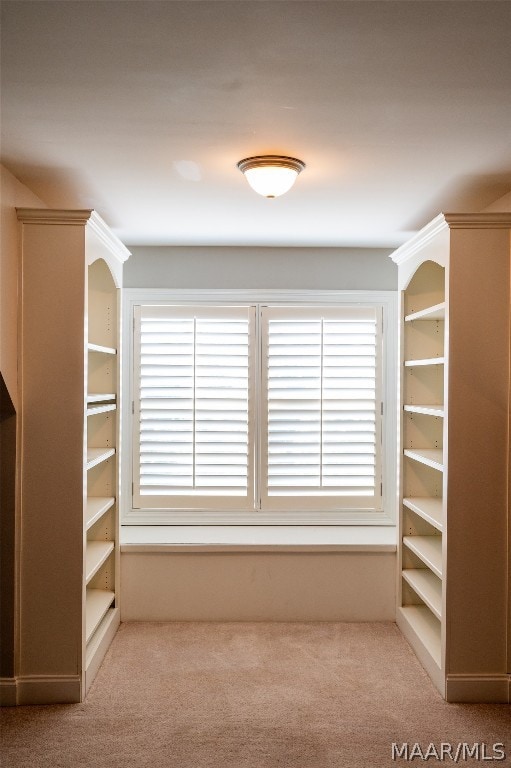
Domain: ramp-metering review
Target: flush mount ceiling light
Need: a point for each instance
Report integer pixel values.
(271, 175)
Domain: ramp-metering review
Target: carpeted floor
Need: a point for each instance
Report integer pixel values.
(192, 695)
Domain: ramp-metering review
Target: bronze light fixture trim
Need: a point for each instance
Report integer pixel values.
(271, 175)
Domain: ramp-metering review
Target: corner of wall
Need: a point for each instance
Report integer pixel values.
(12, 194)
(502, 205)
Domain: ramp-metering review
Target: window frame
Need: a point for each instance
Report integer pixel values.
(387, 300)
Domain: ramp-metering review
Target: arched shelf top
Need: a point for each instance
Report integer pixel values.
(102, 304)
(101, 277)
(425, 288)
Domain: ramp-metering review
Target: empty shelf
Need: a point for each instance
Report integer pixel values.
(428, 549)
(425, 361)
(426, 627)
(100, 640)
(96, 455)
(431, 457)
(100, 409)
(427, 587)
(427, 410)
(100, 348)
(96, 508)
(98, 601)
(100, 397)
(95, 555)
(429, 509)
(436, 312)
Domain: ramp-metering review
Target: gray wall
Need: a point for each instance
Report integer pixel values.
(264, 268)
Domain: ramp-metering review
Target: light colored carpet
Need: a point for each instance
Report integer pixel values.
(191, 695)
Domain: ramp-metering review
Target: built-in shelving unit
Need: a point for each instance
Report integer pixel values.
(72, 268)
(102, 430)
(423, 386)
(454, 277)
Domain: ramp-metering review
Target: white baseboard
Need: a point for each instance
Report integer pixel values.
(479, 688)
(40, 689)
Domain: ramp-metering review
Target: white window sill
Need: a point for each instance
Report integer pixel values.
(257, 538)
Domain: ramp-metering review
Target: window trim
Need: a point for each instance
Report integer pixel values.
(388, 300)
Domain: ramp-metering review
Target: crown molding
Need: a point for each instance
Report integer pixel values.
(449, 221)
(501, 220)
(78, 216)
(419, 241)
(107, 237)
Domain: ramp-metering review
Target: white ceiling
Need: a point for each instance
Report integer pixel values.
(141, 109)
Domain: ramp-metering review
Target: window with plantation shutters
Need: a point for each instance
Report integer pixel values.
(193, 406)
(260, 413)
(321, 403)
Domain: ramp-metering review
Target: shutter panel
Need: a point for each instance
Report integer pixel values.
(321, 443)
(193, 441)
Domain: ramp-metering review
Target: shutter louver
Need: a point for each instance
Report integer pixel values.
(322, 418)
(194, 407)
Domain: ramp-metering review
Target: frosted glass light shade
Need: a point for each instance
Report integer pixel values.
(271, 175)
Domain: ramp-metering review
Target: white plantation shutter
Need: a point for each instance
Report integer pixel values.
(321, 406)
(193, 445)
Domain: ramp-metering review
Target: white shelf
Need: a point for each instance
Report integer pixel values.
(425, 361)
(96, 506)
(426, 585)
(427, 410)
(100, 397)
(97, 603)
(430, 509)
(96, 554)
(428, 549)
(426, 627)
(431, 457)
(103, 350)
(436, 312)
(100, 409)
(99, 643)
(258, 538)
(96, 455)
